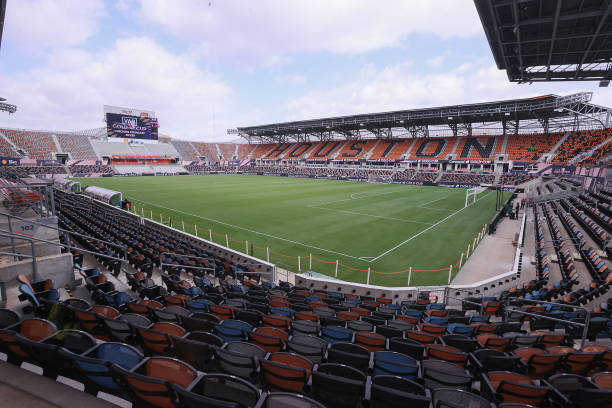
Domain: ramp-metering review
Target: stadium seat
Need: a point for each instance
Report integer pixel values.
(396, 392)
(458, 398)
(505, 386)
(350, 354)
(152, 380)
(94, 367)
(240, 359)
(311, 347)
(395, 364)
(217, 391)
(286, 372)
(338, 385)
(34, 329)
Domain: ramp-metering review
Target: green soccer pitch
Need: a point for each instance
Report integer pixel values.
(385, 227)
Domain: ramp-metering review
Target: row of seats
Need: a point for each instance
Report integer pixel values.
(467, 178)
(333, 368)
(78, 146)
(37, 145)
(578, 142)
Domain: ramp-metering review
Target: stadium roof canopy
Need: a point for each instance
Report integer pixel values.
(548, 113)
(550, 40)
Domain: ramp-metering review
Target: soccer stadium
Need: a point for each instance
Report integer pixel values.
(433, 255)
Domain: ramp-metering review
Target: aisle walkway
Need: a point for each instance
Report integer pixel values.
(493, 256)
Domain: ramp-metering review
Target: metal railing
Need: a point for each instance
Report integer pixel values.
(33, 240)
(584, 325)
(214, 273)
(10, 216)
(470, 293)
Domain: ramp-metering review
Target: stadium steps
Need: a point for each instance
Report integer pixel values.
(440, 174)
(309, 151)
(452, 153)
(371, 151)
(250, 153)
(8, 140)
(585, 155)
(407, 154)
(219, 153)
(194, 149)
(504, 144)
(338, 150)
(553, 152)
(58, 146)
(235, 154)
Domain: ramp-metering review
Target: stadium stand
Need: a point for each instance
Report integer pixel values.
(516, 178)
(160, 337)
(37, 145)
(465, 178)
(530, 147)
(5, 148)
(207, 150)
(227, 150)
(78, 146)
(261, 150)
(579, 142)
(185, 149)
(225, 336)
(599, 155)
(433, 148)
(479, 148)
(355, 150)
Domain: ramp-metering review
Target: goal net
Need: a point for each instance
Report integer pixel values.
(472, 193)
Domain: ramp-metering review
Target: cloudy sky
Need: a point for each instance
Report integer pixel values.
(208, 65)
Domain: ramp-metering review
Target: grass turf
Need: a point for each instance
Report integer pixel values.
(387, 227)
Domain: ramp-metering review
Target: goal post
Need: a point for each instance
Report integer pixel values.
(473, 193)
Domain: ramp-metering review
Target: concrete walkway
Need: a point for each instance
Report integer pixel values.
(493, 256)
(22, 388)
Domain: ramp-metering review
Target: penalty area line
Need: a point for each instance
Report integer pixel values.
(426, 229)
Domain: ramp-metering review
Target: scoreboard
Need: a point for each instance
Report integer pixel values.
(128, 123)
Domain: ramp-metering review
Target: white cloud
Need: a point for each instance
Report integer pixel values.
(292, 79)
(275, 62)
(398, 87)
(68, 93)
(42, 25)
(435, 62)
(270, 28)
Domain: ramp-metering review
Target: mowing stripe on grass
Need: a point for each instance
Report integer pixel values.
(249, 230)
(432, 201)
(357, 196)
(426, 229)
(368, 215)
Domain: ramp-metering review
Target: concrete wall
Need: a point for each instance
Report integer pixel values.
(489, 287)
(55, 267)
(29, 228)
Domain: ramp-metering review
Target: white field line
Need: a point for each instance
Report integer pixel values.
(366, 258)
(426, 229)
(432, 201)
(249, 230)
(357, 198)
(354, 196)
(369, 215)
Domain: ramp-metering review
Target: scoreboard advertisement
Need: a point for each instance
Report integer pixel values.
(127, 123)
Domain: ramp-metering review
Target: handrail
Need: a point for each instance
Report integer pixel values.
(32, 239)
(481, 304)
(585, 325)
(63, 230)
